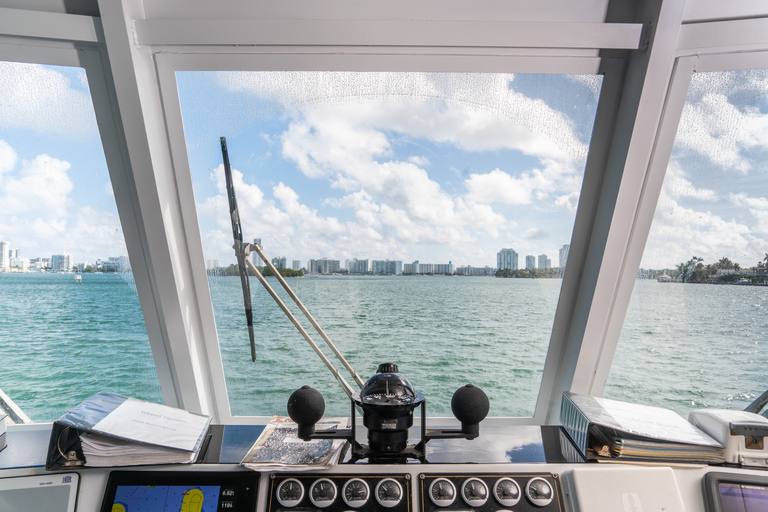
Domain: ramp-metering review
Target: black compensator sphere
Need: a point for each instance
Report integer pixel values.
(306, 407)
(470, 405)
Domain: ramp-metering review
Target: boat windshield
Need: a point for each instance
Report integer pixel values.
(391, 202)
(697, 319)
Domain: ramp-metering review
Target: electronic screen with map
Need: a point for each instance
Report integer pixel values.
(734, 492)
(158, 491)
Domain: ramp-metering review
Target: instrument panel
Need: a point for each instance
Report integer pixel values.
(450, 492)
(489, 492)
(336, 493)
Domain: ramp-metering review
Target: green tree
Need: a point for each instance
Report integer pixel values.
(686, 270)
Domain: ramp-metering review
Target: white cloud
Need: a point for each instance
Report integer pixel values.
(757, 206)
(40, 98)
(568, 203)
(42, 186)
(40, 217)
(258, 216)
(722, 132)
(677, 185)
(534, 185)
(678, 233)
(421, 161)
(7, 157)
(473, 111)
(535, 234)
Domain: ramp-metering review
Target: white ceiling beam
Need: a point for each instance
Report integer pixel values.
(49, 25)
(501, 34)
(723, 36)
(425, 10)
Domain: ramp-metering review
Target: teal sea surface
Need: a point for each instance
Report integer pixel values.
(682, 346)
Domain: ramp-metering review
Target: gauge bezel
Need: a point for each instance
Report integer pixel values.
(474, 502)
(356, 504)
(505, 501)
(539, 502)
(289, 503)
(438, 502)
(323, 503)
(387, 503)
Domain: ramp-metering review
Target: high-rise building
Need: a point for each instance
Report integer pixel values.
(530, 262)
(544, 262)
(428, 268)
(506, 259)
(255, 257)
(61, 262)
(564, 254)
(20, 263)
(356, 266)
(323, 266)
(386, 267)
(116, 264)
(281, 262)
(5, 260)
(296, 265)
(212, 263)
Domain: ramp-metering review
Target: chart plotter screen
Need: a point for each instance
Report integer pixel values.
(743, 498)
(168, 498)
(160, 491)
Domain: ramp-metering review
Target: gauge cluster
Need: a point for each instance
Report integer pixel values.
(336, 493)
(489, 493)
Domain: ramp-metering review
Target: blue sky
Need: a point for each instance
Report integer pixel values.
(434, 167)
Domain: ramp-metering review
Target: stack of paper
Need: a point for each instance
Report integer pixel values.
(634, 432)
(103, 451)
(112, 430)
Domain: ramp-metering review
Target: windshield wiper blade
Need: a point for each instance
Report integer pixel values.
(237, 234)
(243, 250)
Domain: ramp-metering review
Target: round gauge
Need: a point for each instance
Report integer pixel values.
(475, 492)
(322, 493)
(539, 492)
(507, 492)
(355, 493)
(290, 492)
(389, 492)
(442, 492)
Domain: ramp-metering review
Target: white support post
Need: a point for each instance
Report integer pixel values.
(169, 292)
(602, 233)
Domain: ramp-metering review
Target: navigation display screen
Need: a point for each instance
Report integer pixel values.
(743, 498)
(167, 498)
(174, 491)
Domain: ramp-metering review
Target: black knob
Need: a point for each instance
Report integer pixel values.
(470, 405)
(306, 407)
(387, 368)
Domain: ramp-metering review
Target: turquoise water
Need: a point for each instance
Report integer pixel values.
(685, 346)
(60, 342)
(682, 346)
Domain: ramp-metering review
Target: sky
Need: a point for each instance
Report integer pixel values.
(410, 166)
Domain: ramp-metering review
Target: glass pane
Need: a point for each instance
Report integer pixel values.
(696, 321)
(378, 185)
(70, 321)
